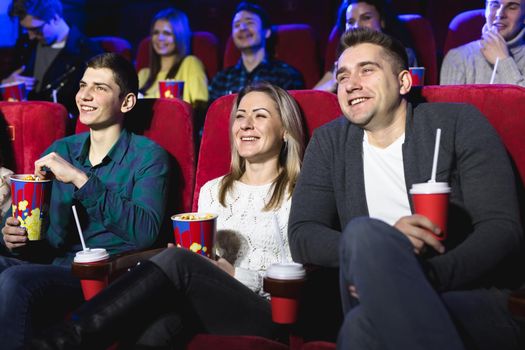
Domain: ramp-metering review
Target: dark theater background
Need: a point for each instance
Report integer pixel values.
(130, 19)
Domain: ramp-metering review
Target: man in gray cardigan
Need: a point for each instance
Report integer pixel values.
(502, 39)
(401, 287)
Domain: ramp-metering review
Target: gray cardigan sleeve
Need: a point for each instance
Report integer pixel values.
(488, 191)
(313, 214)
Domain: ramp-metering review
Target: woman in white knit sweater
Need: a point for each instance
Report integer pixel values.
(179, 293)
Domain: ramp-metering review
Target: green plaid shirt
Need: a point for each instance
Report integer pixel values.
(122, 205)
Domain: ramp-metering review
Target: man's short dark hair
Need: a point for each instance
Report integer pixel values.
(392, 47)
(44, 10)
(256, 9)
(123, 71)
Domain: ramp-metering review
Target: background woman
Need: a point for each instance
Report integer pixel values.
(170, 58)
(179, 293)
(374, 14)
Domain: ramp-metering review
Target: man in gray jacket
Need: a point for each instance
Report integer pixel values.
(502, 39)
(401, 286)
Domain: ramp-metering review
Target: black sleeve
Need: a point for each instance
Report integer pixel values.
(313, 213)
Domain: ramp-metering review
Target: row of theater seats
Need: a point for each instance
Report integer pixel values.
(32, 126)
(297, 45)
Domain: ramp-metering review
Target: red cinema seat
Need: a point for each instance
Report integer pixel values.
(318, 108)
(295, 44)
(28, 129)
(501, 104)
(464, 28)
(114, 44)
(422, 37)
(205, 46)
(168, 122)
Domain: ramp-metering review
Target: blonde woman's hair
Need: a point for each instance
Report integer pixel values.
(292, 150)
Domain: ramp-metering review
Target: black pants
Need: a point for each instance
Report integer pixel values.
(208, 300)
(399, 309)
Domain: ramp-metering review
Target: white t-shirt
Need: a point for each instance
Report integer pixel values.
(263, 234)
(385, 186)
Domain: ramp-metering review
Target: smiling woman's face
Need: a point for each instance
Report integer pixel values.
(257, 128)
(363, 15)
(162, 38)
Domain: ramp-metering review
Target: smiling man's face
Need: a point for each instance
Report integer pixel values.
(505, 16)
(98, 99)
(368, 87)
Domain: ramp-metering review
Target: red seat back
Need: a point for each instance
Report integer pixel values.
(296, 44)
(114, 44)
(204, 45)
(168, 122)
(318, 107)
(30, 128)
(464, 28)
(422, 36)
(501, 104)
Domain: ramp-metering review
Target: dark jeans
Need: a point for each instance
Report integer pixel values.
(399, 309)
(32, 296)
(208, 300)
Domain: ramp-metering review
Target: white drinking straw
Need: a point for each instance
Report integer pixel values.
(436, 155)
(494, 71)
(278, 238)
(79, 229)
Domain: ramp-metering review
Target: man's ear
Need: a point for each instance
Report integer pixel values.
(128, 103)
(405, 82)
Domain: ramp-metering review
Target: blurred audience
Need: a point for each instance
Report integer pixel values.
(251, 30)
(170, 58)
(53, 62)
(501, 48)
(373, 14)
(179, 293)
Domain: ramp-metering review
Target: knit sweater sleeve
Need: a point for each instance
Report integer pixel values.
(508, 72)
(453, 68)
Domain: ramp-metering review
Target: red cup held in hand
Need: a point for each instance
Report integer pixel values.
(431, 200)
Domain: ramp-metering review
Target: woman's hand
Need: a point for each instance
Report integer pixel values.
(224, 265)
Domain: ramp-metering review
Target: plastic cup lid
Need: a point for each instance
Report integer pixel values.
(91, 255)
(430, 187)
(193, 217)
(286, 271)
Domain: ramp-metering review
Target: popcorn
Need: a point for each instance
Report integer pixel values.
(193, 217)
